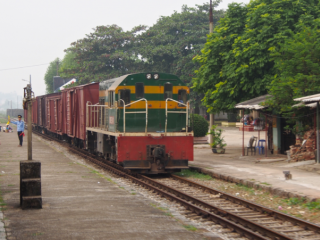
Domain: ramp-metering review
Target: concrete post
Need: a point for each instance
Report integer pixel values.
(29, 122)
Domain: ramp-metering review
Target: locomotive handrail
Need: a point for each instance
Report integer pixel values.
(124, 113)
(186, 112)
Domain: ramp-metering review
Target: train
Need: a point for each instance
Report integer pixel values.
(140, 121)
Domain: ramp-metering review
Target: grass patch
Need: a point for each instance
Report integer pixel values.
(164, 210)
(313, 205)
(122, 187)
(97, 173)
(194, 174)
(246, 188)
(133, 193)
(69, 172)
(10, 185)
(264, 183)
(190, 228)
(37, 234)
(294, 201)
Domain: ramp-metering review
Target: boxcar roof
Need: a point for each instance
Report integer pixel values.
(111, 84)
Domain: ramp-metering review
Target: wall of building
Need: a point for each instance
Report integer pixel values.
(15, 112)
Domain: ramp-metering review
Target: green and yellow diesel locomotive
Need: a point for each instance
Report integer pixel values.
(142, 122)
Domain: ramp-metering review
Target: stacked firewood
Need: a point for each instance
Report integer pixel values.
(303, 149)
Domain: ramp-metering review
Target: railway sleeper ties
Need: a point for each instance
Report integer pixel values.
(248, 233)
(215, 217)
(251, 205)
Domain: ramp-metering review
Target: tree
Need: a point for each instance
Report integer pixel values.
(68, 64)
(106, 53)
(297, 63)
(50, 73)
(236, 62)
(171, 43)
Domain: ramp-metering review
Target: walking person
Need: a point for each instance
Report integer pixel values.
(20, 129)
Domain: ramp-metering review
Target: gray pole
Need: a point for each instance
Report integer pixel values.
(29, 121)
(211, 31)
(318, 152)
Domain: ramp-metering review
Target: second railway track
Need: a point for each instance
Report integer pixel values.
(246, 218)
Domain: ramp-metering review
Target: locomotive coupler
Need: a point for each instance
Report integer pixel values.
(159, 156)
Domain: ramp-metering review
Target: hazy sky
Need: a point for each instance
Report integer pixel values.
(35, 32)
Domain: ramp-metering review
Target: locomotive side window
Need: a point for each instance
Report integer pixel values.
(139, 90)
(182, 96)
(167, 90)
(111, 97)
(125, 96)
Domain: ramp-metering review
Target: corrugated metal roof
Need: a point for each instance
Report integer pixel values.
(253, 103)
(311, 98)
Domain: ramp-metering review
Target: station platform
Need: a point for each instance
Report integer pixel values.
(78, 202)
(257, 170)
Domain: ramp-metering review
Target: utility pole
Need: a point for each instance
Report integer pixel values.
(11, 108)
(211, 31)
(30, 170)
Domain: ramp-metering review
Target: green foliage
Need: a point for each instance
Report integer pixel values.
(171, 43)
(217, 139)
(50, 73)
(312, 205)
(298, 66)
(106, 53)
(68, 64)
(237, 62)
(190, 228)
(194, 174)
(294, 201)
(168, 46)
(200, 125)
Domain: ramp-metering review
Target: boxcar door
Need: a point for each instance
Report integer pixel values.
(40, 112)
(56, 114)
(69, 113)
(48, 115)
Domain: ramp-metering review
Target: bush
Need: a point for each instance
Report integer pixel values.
(200, 125)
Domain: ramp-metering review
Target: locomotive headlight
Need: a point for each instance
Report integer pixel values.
(156, 76)
(149, 76)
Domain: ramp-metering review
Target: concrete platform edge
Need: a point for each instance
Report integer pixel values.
(276, 191)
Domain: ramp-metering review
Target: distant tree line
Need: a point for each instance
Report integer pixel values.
(109, 51)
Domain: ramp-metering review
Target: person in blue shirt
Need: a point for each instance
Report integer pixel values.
(20, 129)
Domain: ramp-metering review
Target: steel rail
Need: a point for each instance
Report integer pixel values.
(256, 207)
(224, 213)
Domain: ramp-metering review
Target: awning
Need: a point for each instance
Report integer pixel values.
(253, 103)
(311, 98)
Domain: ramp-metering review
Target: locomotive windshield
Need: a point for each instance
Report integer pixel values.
(167, 90)
(139, 90)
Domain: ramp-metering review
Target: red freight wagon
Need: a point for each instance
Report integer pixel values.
(74, 109)
(34, 112)
(34, 117)
(41, 109)
(54, 113)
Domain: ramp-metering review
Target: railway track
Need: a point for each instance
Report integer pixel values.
(246, 218)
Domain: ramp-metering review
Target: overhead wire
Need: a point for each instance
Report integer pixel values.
(5, 69)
